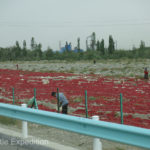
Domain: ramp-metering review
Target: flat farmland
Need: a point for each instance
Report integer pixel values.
(103, 81)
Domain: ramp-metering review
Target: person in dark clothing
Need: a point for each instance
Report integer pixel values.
(94, 61)
(145, 74)
(62, 101)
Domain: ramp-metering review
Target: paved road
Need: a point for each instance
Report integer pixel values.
(12, 143)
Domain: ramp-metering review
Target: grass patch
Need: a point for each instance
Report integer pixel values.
(92, 71)
(78, 99)
(53, 101)
(92, 98)
(117, 114)
(33, 70)
(85, 69)
(118, 148)
(72, 70)
(10, 121)
(105, 69)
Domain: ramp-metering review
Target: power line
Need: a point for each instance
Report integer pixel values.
(83, 23)
(72, 25)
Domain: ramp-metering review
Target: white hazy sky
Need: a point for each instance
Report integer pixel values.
(51, 21)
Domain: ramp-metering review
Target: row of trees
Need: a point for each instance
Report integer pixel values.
(94, 45)
(96, 50)
(100, 46)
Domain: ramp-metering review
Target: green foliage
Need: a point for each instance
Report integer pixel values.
(18, 52)
(93, 41)
(98, 46)
(142, 45)
(32, 43)
(78, 99)
(102, 47)
(7, 121)
(92, 98)
(48, 54)
(111, 47)
(141, 48)
(118, 148)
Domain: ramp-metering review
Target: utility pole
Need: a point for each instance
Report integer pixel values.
(116, 44)
(87, 45)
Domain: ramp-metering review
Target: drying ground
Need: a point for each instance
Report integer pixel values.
(104, 81)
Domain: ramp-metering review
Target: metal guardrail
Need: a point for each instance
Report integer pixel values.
(111, 131)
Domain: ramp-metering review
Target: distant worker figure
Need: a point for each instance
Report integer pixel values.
(145, 74)
(94, 61)
(17, 66)
(62, 101)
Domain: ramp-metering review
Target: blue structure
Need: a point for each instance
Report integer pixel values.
(63, 49)
(68, 47)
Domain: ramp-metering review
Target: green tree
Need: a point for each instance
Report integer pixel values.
(98, 46)
(17, 44)
(142, 45)
(111, 47)
(17, 50)
(48, 53)
(24, 50)
(141, 49)
(38, 51)
(5, 54)
(1, 53)
(93, 41)
(33, 44)
(102, 47)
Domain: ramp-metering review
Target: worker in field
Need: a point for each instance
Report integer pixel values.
(17, 67)
(94, 61)
(63, 102)
(145, 74)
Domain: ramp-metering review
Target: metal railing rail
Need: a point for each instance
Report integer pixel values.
(111, 131)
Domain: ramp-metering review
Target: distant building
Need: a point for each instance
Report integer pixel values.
(68, 47)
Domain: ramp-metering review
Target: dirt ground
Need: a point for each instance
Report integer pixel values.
(75, 140)
(117, 68)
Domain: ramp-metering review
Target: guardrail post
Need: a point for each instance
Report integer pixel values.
(58, 109)
(86, 105)
(97, 145)
(13, 90)
(35, 102)
(24, 125)
(121, 108)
